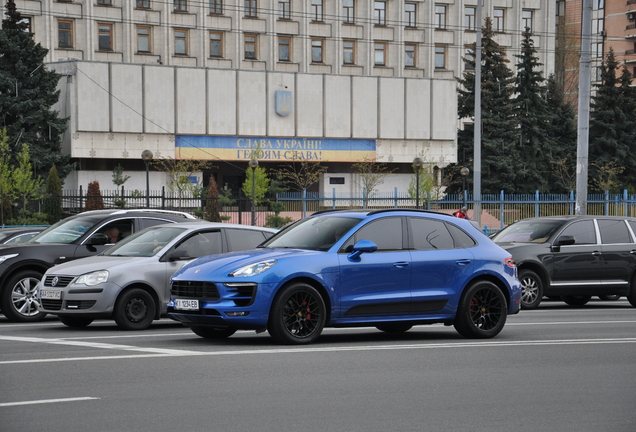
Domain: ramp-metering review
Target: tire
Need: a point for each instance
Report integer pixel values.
(610, 297)
(75, 322)
(298, 315)
(632, 294)
(213, 332)
(531, 289)
(576, 300)
(19, 301)
(482, 311)
(134, 310)
(394, 327)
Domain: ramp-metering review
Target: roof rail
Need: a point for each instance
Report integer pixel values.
(407, 210)
(144, 210)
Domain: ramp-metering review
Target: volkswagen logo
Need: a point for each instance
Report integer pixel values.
(55, 281)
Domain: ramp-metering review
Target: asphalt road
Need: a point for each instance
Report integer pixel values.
(557, 368)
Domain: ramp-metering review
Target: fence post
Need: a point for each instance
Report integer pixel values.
(571, 202)
(395, 198)
(304, 203)
(624, 202)
(606, 203)
(81, 200)
(364, 198)
(163, 197)
(333, 197)
(536, 204)
(502, 213)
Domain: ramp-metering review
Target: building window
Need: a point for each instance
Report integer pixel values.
(598, 4)
(104, 2)
(65, 33)
(105, 37)
(469, 18)
(410, 14)
(250, 46)
(316, 10)
(26, 24)
(250, 8)
(181, 5)
(284, 9)
(317, 50)
(498, 20)
(440, 17)
(598, 49)
(348, 11)
(380, 53)
(216, 44)
(143, 4)
(349, 52)
(181, 42)
(469, 56)
(284, 48)
(526, 20)
(440, 57)
(598, 26)
(379, 16)
(216, 7)
(410, 55)
(143, 39)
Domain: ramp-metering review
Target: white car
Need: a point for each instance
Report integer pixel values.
(130, 282)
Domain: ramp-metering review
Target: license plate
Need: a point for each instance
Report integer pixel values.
(51, 294)
(181, 304)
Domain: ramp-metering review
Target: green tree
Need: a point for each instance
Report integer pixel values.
(302, 174)
(28, 90)
(6, 183)
(53, 203)
(211, 212)
(27, 186)
(261, 184)
(179, 172)
(277, 186)
(371, 175)
(499, 127)
(118, 180)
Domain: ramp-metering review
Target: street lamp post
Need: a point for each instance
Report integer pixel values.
(253, 164)
(417, 163)
(464, 172)
(147, 155)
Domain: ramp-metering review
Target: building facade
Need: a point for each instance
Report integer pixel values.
(356, 78)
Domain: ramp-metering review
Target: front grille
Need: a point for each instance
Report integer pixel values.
(51, 304)
(62, 281)
(242, 294)
(80, 304)
(195, 289)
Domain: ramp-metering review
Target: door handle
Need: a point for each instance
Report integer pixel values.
(463, 262)
(633, 251)
(596, 253)
(402, 264)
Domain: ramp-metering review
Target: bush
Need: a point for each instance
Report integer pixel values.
(94, 200)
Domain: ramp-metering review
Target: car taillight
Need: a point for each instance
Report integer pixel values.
(510, 262)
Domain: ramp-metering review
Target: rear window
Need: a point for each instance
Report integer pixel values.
(613, 231)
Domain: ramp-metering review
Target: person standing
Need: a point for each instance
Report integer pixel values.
(462, 213)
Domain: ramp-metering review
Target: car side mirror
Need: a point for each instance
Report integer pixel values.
(362, 246)
(97, 239)
(179, 255)
(565, 240)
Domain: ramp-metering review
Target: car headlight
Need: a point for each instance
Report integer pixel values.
(253, 269)
(94, 278)
(3, 258)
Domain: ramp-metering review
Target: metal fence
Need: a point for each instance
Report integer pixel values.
(498, 210)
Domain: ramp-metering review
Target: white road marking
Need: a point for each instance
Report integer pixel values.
(155, 352)
(46, 401)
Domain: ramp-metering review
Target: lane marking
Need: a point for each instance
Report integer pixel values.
(154, 352)
(46, 401)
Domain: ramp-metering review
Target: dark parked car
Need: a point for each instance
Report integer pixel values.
(391, 269)
(573, 257)
(18, 234)
(130, 282)
(23, 264)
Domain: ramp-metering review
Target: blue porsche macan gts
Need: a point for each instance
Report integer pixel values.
(391, 269)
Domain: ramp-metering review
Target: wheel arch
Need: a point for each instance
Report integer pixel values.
(32, 266)
(495, 280)
(314, 283)
(539, 270)
(149, 289)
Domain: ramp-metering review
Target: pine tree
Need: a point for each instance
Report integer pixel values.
(7, 191)
(211, 212)
(531, 110)
(27, 93)
(53, 203)
(94, 200)
(612, 124)
(499, 127)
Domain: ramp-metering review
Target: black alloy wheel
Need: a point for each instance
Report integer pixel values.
(482, 311)
(298, 315)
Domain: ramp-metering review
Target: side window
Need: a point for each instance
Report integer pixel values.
(117, 230)
(582, 231)
(462, 240)
(243, 239)
(613, 231)
(430, 234)
(386, 233)
(202, 244)
(147, 222)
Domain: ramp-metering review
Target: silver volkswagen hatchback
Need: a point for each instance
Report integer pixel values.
(130, 282)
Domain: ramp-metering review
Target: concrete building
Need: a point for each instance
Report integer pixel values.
(337, 80)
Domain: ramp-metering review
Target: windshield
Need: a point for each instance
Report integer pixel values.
(318, 233)
(145, 243)
(531, 231)
(66, 231)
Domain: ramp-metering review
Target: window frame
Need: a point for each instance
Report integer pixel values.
(525, 20)
(69, 31)
(318, 43)
(499, 22)
(216, 7)
(250, 9)
(317, 10)
(103, 2)
(351, 50)
(379, 47)
(379, 14)
(443, 56)
(413, 50)
(185, 39)
(410, 16)
(253, 43)
(284, 9)
(470, 18)
(281, 45)
(440, 17)
(142, 4)
(148, 37)
(180, 5)
(349, 12)
(219, 42)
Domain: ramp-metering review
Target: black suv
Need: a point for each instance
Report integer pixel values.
(22, 265)
(573, 257)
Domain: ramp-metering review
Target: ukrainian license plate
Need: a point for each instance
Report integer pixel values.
(181, 304)
(51, 294)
